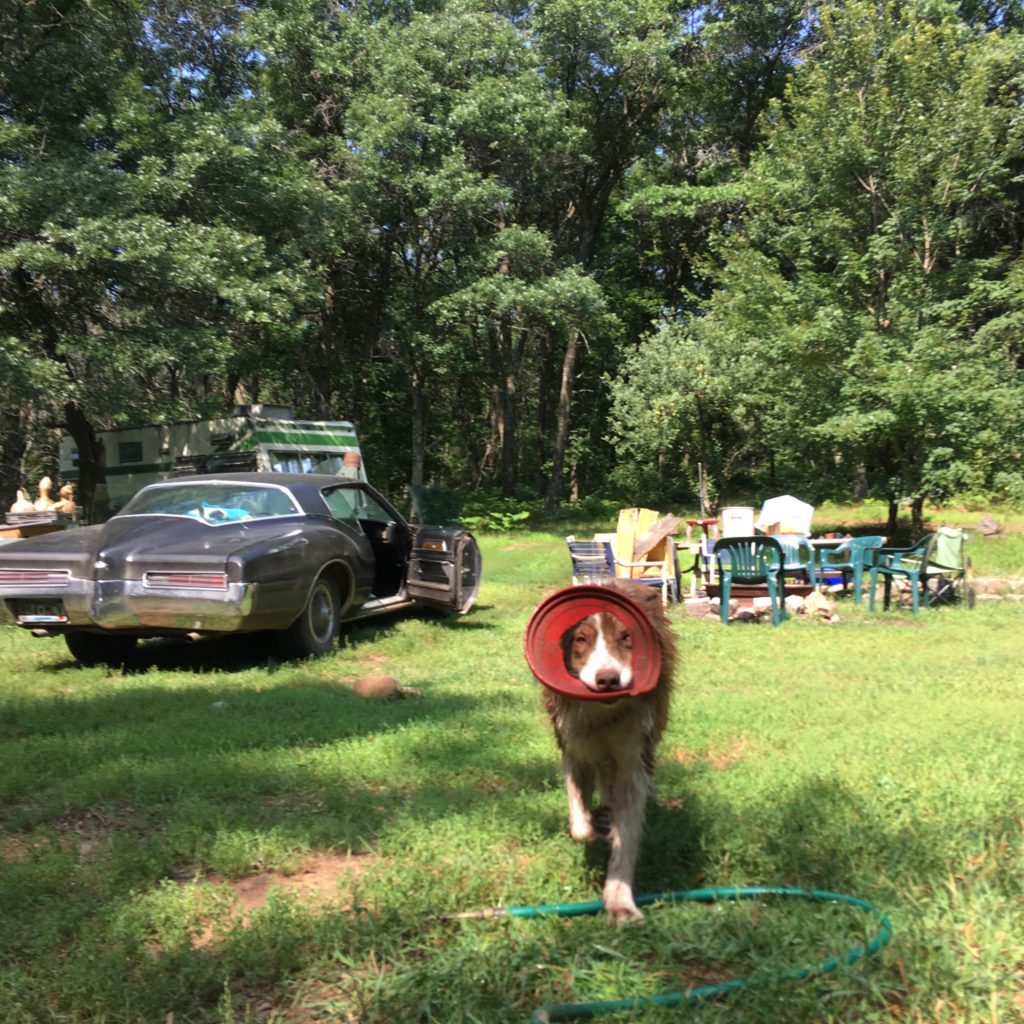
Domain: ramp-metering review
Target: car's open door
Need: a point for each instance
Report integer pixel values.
(444, 568)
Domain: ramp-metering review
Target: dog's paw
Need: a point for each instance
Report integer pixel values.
(601, 818)
(618, 902)
(582, 830)
(620, 914)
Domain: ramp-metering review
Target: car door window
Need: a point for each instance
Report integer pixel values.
(368, 507)
(363, 504)
(343, 503)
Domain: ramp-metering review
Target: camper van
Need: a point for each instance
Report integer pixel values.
(253, 437)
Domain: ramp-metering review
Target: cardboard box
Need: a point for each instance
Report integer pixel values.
(776, 528)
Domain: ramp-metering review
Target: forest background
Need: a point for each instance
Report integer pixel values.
(547, 251)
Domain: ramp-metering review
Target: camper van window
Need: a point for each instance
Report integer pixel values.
(305, 462)
(327, 464)
(129, 451)
(286, 462)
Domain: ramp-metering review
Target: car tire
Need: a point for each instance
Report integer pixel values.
(313, 633)
(90, 649)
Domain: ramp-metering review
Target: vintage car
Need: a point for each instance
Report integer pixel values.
(229, 553)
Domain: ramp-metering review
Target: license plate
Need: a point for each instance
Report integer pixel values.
(40, 611)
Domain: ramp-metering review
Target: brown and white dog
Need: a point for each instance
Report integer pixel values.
(612, 742)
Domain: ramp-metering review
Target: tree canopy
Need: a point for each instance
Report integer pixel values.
(551, 249)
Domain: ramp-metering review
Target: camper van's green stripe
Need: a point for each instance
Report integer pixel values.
(309, 439)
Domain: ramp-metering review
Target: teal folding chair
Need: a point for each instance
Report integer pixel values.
(848, 559)
(751, 561)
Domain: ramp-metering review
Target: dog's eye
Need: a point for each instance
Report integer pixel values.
(579, 640)
(626, 639)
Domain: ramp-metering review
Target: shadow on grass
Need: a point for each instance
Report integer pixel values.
(670, 851)
(817, 834)
(243, 651)
(685, 837)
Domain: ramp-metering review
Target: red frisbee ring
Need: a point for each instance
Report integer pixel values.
(542, 640)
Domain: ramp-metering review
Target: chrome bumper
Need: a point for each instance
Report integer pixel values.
(131, 605)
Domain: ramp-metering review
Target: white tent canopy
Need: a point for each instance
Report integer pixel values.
(785, 514)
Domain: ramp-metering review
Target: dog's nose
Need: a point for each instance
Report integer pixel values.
(607, 678)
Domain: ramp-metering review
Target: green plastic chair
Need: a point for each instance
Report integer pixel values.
(751, 560)
(849, 559)
(911, 563)
(797, 556)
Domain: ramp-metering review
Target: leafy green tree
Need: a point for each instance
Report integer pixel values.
(129, 266)
(853, 326)
(456, 139)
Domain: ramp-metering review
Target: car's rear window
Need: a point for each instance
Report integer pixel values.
(213, 503)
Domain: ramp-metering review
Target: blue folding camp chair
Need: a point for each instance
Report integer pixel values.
(592, 560)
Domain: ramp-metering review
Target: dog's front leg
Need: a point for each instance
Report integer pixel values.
(579, 787)
(628, 809)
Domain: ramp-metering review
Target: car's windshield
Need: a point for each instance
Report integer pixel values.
(213, 502)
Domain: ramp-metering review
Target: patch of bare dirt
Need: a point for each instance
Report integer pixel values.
(15, 849)
(317, 886)
(716, 760)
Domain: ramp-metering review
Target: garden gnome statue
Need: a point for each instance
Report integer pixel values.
(67, 499)
(22, 503)
(43, 502)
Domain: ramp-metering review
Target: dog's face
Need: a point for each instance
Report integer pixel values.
(599, 652)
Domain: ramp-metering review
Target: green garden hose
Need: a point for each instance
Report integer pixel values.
(582, 1011)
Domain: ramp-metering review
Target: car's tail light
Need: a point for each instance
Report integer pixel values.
(35, 577)
(193, 580)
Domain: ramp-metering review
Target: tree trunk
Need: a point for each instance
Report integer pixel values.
(917, 517)
(418, 438)
(507, 409)
(12, 450)
(91, 457)
(554, 494)
(321, 359)
(547, 390)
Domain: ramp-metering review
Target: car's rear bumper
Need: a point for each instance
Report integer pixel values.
(131, 606)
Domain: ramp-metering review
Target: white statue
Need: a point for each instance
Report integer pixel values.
(44, 503)
(22, 503)
(67, 499)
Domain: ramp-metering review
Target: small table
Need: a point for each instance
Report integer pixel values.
(703, 566)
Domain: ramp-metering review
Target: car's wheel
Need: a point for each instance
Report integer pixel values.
(95, 649)
(314, 631)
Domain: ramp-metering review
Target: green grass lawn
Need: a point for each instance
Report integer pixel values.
(882, 756)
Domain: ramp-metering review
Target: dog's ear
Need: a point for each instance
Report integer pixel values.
(649, 598)
(567, 641)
